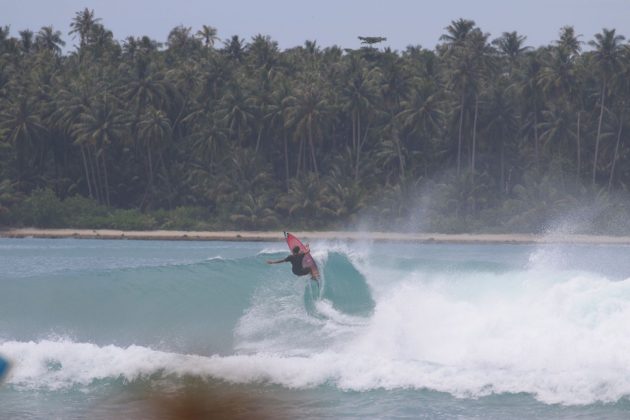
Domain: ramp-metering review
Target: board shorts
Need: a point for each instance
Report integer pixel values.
(301, 272)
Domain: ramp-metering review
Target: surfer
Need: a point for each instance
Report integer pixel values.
(296, 262)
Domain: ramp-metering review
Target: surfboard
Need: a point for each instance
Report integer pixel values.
(308, 260)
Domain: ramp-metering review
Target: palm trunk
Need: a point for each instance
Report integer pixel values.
(459, 138)
(87, 172)
(258, 139)
(175, 125)
(474, 138)
(167, 178)
(286, 158)
(536, 149)
(354, 129)
(599, 129)
(401, 159)
(579, 156)
(299, 160)
(310, 141)
(148, 191)
(358, 147)
(106, 179)
(95, 177)
(502, 164)
(472, 153)
(612, 169)
(150, 167)
(149, 188)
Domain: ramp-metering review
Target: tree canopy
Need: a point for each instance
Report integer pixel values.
(476, 134)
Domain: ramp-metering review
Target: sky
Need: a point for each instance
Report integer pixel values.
(329, 22)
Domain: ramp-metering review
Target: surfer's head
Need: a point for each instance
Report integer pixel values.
(296, 249)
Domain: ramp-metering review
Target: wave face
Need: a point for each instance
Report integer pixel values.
(470, 321)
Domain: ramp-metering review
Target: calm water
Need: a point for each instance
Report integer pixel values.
(139, 329)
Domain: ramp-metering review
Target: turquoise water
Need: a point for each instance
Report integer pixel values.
(135, 329)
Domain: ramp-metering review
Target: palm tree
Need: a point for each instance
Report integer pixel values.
(483, 68)
(254, 212)
(457, 32)
(569, 41)
(237, 109)
(262, 100)
(154, 130)
(395, 80)
(559, 81)
(390, 153)
(234, 48)
(208, 35)
(144, 85)
(98, 127)
(139, 47)
(308, 199)
(555, 130)
(101, 40)
(263, 52)
(422, 114)
(70, 103)
(277, 117)
(5, 31)
(49, 39)
(359, 95)
(306, 114)
(346, 198)
(464, 54)
(183, 83)
(83, 24)
(24, 128)
(607, 56)
(617, 144)
(621, 86)
(181, 41)
(26, 41)
(532, 99)
(510, 45)
(501, 124)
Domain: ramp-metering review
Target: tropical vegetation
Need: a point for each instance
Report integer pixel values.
(477, 134)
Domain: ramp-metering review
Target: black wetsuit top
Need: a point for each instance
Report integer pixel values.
(296, 264)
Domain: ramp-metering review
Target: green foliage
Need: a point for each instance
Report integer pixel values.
(131, 219)
(184, 218)
(81, 212)
(477, 134)
(8, 200)
(41, 209)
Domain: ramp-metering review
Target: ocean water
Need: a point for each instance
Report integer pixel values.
(153, 329)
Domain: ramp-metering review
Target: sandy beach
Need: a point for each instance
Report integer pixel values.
(313, 235)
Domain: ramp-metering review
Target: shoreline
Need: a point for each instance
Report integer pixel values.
(271, 236)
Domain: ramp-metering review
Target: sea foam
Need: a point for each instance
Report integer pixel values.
(560, 335)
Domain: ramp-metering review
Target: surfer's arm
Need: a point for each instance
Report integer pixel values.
(276, 261)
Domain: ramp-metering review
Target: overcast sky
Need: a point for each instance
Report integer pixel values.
(329, 22)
